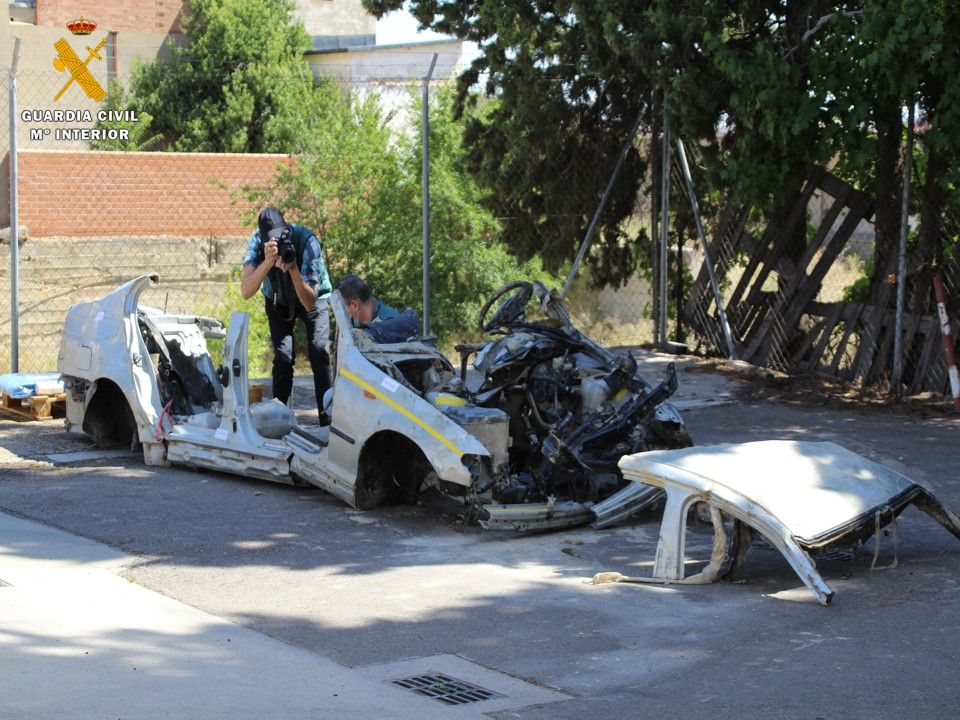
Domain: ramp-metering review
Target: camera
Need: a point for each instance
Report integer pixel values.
(285, 247)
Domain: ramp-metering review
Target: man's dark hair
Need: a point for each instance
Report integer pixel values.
(352, 287)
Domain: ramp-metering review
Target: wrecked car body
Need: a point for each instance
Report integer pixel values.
(389, 437)
(135, 375)
(402, 420)
(821, 497)
(529, 441)
(574, 408)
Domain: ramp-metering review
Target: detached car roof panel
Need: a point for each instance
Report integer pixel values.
(815, 489)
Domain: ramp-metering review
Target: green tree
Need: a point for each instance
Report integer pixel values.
(543, 143)
(904, 52)
(765, 88)
(359, 190)
(240, 84)
(563, 81)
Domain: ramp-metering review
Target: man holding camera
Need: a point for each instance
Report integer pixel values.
(285, 261)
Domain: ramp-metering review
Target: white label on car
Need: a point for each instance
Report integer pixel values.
(221, 434)
(390, 384)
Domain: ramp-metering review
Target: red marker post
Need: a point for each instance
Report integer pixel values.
(947, 339)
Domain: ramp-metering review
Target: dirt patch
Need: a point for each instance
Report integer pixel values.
(814, 391)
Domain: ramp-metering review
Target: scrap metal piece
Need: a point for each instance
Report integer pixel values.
(526, 517)
(802, 497)
(624, 503)
(234, 444)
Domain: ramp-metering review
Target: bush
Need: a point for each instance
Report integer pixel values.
(259, 349)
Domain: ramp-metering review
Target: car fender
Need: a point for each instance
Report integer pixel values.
(102, 341)
(367, 401)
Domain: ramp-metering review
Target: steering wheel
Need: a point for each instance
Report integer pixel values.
(510, 309)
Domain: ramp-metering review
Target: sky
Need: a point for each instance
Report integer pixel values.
(401, 27)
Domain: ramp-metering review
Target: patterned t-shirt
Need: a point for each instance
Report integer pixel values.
(312, 267)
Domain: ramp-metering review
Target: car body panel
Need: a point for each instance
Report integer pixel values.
(802, 497)
(537, 517)
(101, 341)
(233, 445)
(367, 401)
(104, 342)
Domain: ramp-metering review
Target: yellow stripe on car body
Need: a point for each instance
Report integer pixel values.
(402, 410)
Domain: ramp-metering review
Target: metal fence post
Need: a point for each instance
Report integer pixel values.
(14, 219)
(902, 260)
(654, 226)
(425, 181)
(585, 245)
(664, 229)
(717, 296)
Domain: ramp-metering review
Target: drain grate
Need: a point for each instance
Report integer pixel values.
(446, 689)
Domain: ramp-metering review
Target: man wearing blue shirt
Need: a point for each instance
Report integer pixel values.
(362, 307)
(285, 262)
(380, 321)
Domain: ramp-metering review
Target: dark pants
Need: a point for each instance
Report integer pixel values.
(317, 325)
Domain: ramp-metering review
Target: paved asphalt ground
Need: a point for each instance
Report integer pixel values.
(365, 591)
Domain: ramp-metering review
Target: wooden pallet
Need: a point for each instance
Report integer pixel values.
(36, 407)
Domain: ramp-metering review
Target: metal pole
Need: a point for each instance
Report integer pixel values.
(588, 239)
(425, 181)
(14, 219)
(654, 234)
(949, 354)
(665, 162)
(902, 260)
(717, 297)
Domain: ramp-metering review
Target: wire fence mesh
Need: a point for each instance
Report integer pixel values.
(92, 219)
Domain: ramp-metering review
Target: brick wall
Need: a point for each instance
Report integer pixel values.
(89, 194)
(139, 15)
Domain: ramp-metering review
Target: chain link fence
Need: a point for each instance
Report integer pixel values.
(93, 219)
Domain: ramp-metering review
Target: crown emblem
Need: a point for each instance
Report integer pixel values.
(80, 26)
